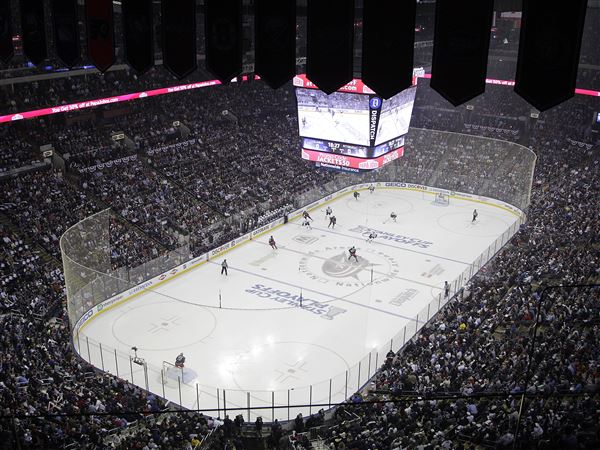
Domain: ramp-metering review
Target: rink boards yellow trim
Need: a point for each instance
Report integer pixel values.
(200, 263)
(458, 197)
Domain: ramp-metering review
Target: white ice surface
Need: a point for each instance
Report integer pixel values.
(260, 340)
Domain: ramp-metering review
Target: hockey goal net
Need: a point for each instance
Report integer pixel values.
(441, 198)
(171, 374)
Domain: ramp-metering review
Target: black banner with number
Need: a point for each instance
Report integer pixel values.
(179, 36)
(330, 43)
(388, 44)
(460, 49)
(6, 45)
(100, 33)
(138, 36)
(66, 35)
(275, 41)
(223, 33)
(549, 48)
(33, 30)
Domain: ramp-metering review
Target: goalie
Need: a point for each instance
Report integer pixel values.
(180, 361)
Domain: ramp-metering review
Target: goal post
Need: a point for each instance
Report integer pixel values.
(437, 196)
(171, 373)
(441, 198)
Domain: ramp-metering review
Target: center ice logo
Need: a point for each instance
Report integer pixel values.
(331, 265)
(339, 267)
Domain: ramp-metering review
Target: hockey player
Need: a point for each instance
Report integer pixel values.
(372, 236)
(272, 243)
(306, 215)
(328, 212)
(393, 216)
(446, 289)
(352, 252)
(371, 189)
(332, 221)
(306, 223)
(224, 267)
(180, 361)
(475, 214)
(356, 194)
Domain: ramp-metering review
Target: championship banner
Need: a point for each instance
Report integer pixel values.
(100, 33)
(275, 25)
(66, 35)
(6, 45)
(330, 43)
(33, 30)
(179, 36)
(549, 47)
(223, 38)
(388, 45)
(460, 48)
(138, 34)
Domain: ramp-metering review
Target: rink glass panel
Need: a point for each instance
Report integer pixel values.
(452, 161)
(97, 263)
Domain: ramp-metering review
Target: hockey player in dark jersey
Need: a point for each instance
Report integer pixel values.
(332, 222)
(306, 215)
(372, 236)
(356, 194)
(272, 243)
(475, 214)
(352, 252)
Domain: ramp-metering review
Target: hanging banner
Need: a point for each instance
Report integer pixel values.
(33, 30)
(549, 47)
(179, 36)
(66, 35)
(6, 45)
(275, 26)
(330, 43)
(374, 113)
(223, 38)
(100, 33)
(138, 35)
(460, 48)
(388, 45)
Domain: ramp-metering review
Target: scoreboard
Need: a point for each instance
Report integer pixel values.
(352, 129)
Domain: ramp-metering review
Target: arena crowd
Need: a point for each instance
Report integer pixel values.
(457, 384)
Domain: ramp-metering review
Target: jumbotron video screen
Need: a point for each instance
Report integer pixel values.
(352, 129)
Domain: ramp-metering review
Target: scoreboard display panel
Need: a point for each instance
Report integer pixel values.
(395, 115)
(339, 117)
(352, 129)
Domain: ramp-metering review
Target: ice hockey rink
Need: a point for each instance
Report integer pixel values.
(246, 338)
